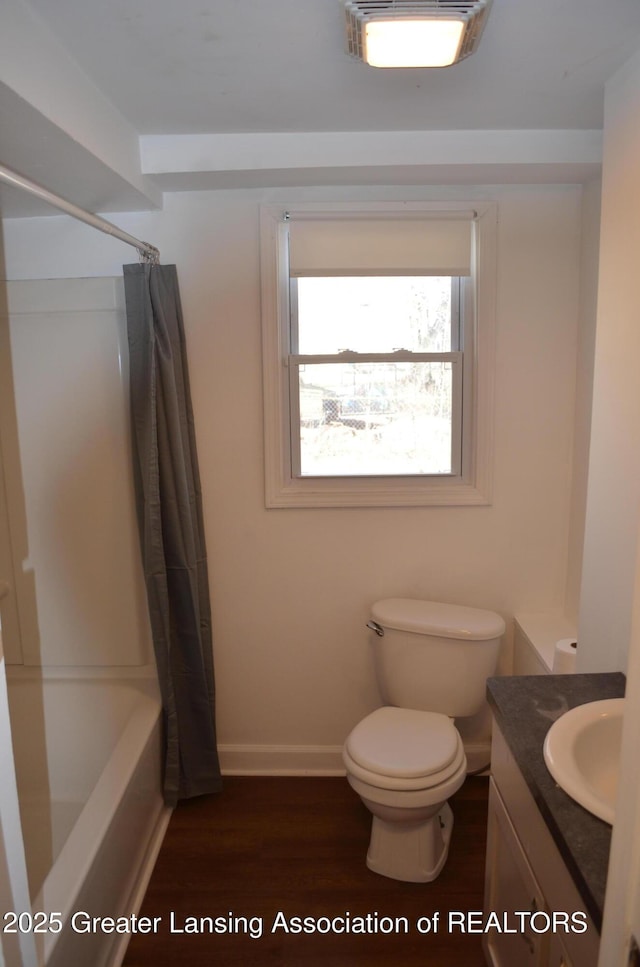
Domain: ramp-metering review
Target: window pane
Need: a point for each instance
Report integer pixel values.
(374, 315)
(368, 419)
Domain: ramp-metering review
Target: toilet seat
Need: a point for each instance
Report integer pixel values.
(391, 784)
(404, 749)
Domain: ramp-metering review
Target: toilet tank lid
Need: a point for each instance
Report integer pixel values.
(434, 618)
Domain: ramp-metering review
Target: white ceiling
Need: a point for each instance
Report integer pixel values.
(187, 66)
(110, 102)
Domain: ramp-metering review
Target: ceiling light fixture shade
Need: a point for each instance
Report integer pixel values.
(414, 33)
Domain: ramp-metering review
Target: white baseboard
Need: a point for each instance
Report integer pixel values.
(310, 760)
(281, 760)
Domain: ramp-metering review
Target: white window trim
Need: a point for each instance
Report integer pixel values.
(282, 489)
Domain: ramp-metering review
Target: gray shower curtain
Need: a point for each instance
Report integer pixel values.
(169, 506)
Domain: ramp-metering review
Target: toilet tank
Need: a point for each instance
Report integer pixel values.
(435, 657)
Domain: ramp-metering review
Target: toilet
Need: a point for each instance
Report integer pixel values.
(407, 758)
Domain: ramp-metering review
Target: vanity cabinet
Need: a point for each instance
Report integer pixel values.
(510, 887)
(525, 874)
(558, 956)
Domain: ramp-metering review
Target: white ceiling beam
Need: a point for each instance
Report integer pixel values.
(49, 105)
(200, 161)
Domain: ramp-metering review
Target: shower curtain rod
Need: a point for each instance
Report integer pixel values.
(147, 252)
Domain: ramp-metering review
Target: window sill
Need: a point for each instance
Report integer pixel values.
(375, 492)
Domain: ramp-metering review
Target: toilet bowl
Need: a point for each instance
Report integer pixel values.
(407, 758)
(404, 764)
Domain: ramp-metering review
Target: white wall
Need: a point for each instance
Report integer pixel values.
(611, 625)
(292, 588)
(589, 253)
(614, 470)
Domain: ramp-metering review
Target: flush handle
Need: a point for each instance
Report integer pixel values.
(374, 626)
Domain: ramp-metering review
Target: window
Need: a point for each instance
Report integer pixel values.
(373, 392)
(375, 376)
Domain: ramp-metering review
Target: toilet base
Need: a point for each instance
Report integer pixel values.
(413, 852)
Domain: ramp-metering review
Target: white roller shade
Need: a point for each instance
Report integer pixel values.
(372, 246)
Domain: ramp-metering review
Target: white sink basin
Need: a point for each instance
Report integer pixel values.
(582, 753)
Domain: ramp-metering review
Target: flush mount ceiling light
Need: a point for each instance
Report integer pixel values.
(414, 33)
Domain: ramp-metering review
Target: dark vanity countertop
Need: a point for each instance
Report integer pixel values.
(525, 707)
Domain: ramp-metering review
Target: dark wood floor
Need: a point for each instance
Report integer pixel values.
(297, 846)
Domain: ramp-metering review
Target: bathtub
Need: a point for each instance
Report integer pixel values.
(88, 765)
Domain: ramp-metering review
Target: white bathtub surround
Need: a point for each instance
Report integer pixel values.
(15, 949)
(69, 483)
(91, 802)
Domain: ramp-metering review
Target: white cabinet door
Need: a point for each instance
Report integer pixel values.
(510, 887)
(558, 956)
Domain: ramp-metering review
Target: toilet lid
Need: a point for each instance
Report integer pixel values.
(403, 742)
